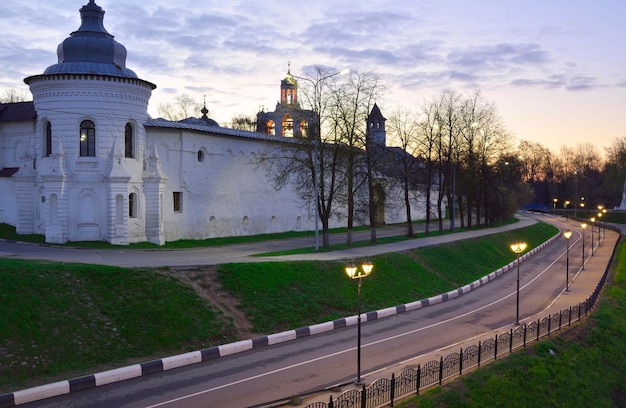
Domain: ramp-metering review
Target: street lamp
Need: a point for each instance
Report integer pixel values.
(567, 234)
(599, 227)
(593, 220)
(576, 172)
(583, 226)
(518, 248)
(354, 273)
(554, 206)
(317, 196)
(604, 223)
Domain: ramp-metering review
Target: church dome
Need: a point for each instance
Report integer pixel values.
(289, 79)
(91, 49)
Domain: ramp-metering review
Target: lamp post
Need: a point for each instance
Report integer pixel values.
(576, 172)
(518, 248)
(567, 234)
(554, 207)
(583, 226)
(604, 223)
(599, 227)
(354, 273)
(593, 220)
(317, 196)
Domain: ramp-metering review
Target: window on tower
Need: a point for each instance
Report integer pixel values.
(48, 139)
(87, 139)
(129, 141)
(271, 127)
(288, 126)
(304, 128)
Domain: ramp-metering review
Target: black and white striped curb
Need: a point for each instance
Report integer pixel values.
(168, 363)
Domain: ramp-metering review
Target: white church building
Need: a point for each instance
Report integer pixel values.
(85, 162)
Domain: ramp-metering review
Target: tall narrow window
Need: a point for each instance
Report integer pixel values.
(304, 128)
(87, 139)
(178, 201)
(132, 205)
(128, 141)
(48, 139)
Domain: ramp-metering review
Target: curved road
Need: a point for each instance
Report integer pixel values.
(321, 361)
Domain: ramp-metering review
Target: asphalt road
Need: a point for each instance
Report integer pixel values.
(321, 361)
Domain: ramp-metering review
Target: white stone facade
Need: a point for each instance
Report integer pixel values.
(167, 181)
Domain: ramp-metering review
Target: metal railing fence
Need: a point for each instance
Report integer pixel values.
(385, 391)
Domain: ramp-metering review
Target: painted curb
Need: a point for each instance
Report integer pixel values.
(138, 370)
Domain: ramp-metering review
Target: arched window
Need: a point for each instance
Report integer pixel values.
(129, 141)
(87, 139)
(304, 128)
(48, 139)
(271, 127)
(287, 126)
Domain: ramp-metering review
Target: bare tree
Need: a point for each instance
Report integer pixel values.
(407, 131)
(352, 103)
(183, 107)
(244, 122)
(312, 164)
(13, 95)
(615, 172)
(448, 120)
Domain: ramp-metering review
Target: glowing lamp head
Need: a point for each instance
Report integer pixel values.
(518, 247)
(351, 270)
(567, 234)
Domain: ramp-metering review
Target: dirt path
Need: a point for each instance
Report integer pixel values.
(205, 282)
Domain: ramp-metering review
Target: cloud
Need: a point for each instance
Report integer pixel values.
(499, 56)
(570, 83)
(581, 83)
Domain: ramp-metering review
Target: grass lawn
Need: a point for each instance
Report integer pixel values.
(59, 318)
(585, 367)
(286, 295)
(61, 321)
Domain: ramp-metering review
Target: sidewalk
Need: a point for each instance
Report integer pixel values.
(582, 285)
(132, 258)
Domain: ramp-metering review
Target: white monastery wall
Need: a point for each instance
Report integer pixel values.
(224, 191)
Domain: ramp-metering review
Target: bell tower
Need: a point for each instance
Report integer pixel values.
(288, 119)
(376, 132)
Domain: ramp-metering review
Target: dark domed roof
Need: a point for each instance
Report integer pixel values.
(91, 49)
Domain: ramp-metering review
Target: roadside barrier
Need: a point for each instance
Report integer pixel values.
(387, 391)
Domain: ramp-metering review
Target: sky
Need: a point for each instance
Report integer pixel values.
(555, 69)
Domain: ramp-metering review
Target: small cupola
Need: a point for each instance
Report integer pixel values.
(289, 89)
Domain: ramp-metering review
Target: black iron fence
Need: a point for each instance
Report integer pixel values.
(385, 391)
